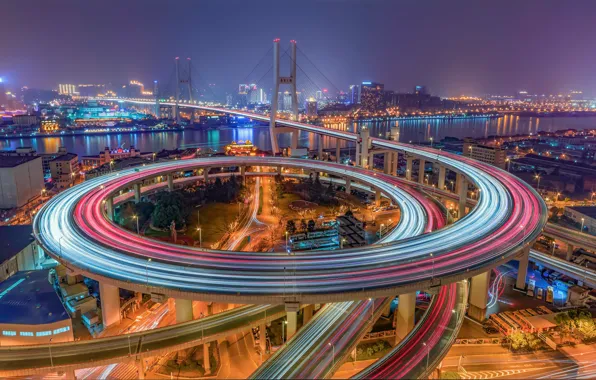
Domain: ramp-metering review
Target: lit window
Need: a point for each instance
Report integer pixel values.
(26, 333)
(9, 333)
(43, 333)
(61, 330)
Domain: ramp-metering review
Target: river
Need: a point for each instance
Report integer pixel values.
(411, 130)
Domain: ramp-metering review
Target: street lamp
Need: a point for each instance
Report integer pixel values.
(286, 241)
(283, 331)
(332, 351)
(431, 142)
(135, 217)
(582, 229)
(341, 243)
(200, 237)
(381, 230)
(452, 187)
(537, 177)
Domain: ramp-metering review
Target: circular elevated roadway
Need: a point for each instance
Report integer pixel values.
(508, 215)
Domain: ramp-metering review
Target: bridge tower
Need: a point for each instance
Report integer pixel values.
(184, 80)
(278, 80)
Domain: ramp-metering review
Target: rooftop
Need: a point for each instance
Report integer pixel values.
(13, 239)
(66, 157)
(589, 211)
(28, 298)
(13, 161)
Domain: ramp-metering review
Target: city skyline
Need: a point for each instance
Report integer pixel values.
(454, 49)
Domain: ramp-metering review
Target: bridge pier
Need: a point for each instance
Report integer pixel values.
(337, 152)
(405, 314)
(478, 298)
(263, 337)
(307, 313)
(110, 208)
(387, 156)
(570, 249)
(206, 175)
(377, 197)
(409, 164)
(362, 148)
(463, 193)
(110, 304)
(206, 359)
(522, 270)
(421, 165)
(170, 182)
(348, 185)
(294, 142)
(243, 173)
(183, 310)
(292, 324)
(320, 146)
(442, 173)
(137, 188)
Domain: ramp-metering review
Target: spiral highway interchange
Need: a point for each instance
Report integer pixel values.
(508, 216)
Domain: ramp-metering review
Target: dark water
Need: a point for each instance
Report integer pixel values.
(412, 130)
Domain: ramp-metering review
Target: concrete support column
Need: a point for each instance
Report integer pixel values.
(421, 165)
(263, 337)
(371, 161)
(206, 361)
(110, 208)
(70, 374)
(170, 182)
(137, 187)
(320, 146)
(294, 143)
(570, 249)
(442, 173)
(362, 147)
(406, 308)
(463, 192)
(307, 313)
(140, 368)
(458, 182)
(292, 324)
(206, 175)
(387, 162)
(279, 170)
(348, 185)
(183, 310)
(409, 164)
(522, 270)
(377, 197)
(110, 304)
(394, 163)
(243, 173)
(478, 298)
(337, 151)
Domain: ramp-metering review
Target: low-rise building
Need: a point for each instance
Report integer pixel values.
(585, 216)
(108, 155)
(32, 312)
(488, 154)
(22, 180)
(64, 170)
(18, 250)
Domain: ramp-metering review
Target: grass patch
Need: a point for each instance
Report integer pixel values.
(215, 219)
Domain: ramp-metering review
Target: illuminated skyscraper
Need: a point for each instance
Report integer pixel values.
(354, 94)
(371, 96)
(67, 89)
(311, 107)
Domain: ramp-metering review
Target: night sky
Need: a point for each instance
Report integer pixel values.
(454, 47)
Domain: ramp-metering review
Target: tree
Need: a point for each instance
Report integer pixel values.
(349, 213)
(291, 226)
(170, 206)
(518, 341)
(303, 225)
(311, 225)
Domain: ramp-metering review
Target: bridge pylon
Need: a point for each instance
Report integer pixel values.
(278, 80)
(185, 80)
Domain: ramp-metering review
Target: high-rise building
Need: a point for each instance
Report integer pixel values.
(287, 101)
(243, 89)
(371, 96)
(311, 107)
(420, 90)
(354, 94)
(319, 95)
(67, 89)
(3, 99)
